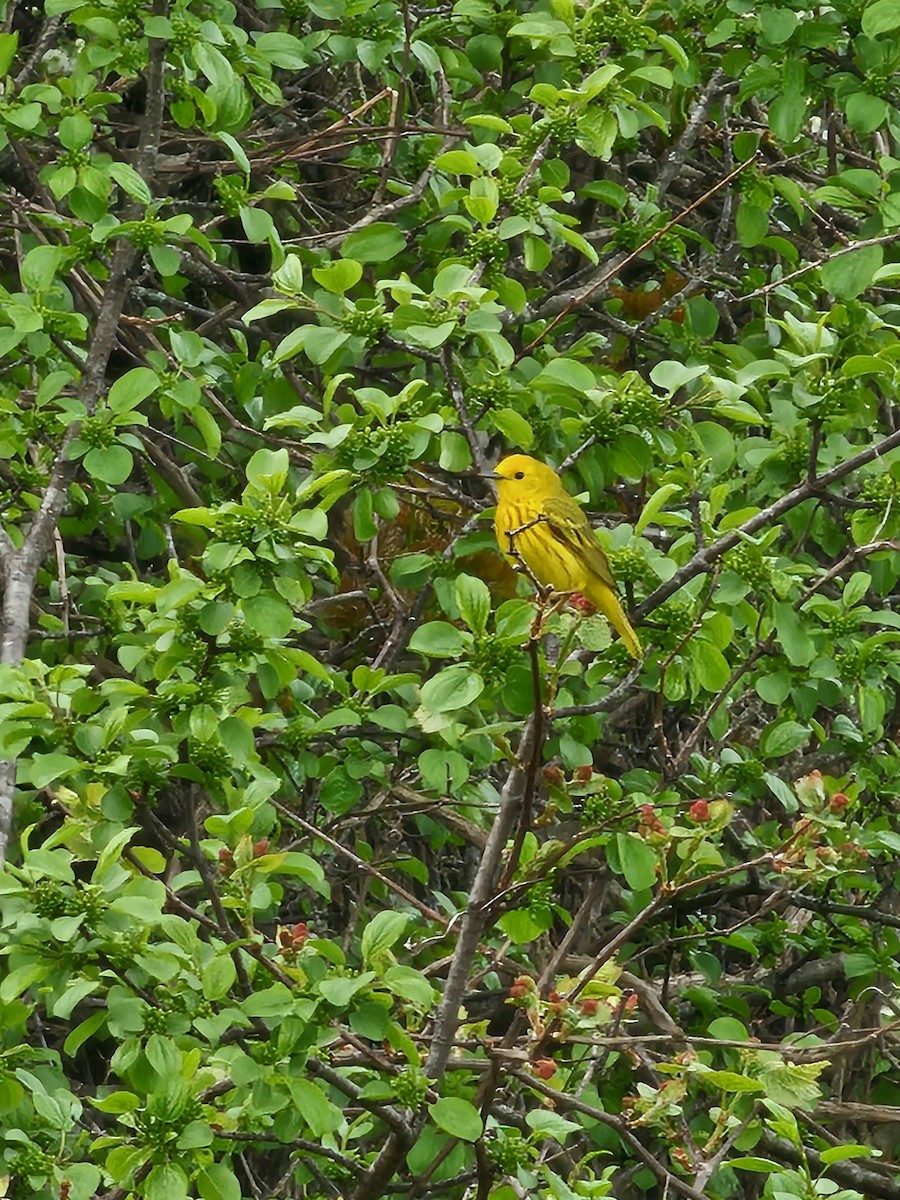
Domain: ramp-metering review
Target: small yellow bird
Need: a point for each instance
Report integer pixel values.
(558, 546)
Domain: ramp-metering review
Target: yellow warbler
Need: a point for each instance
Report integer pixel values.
(555, 541)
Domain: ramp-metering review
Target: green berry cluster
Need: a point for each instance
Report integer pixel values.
(31, 1161)
(539, 899)
(145, 777)
(133, 59)
(795, 452)
(146, 233)
(488, 393)
(207, 757)
(880, 81)
(639, 405)
(600, 805)
(676, 617)
(879, 487)
(531, 138)
(605, 426)
(612, 22)
(842, 623)
(744, 774)
(184, 34)
(629, 234)
(837, 399)
(508, 1150)
(630, 566)
(563, 125)
(97, 432)
(751, 564)
(48, 899)
(242, 640)
(156, 1020)
(381, 453)
(180, 88)
(233, 193)
(492, 659)
(484, 246)
(295, 735)
(295, 10)
(367, 27)
(367, 323)
(411, 1087)
(852, 665)
(267, 1052)
(51, 900)
(76, 159)
(164, 1118)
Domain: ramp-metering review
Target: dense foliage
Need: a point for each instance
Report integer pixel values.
(338, 863)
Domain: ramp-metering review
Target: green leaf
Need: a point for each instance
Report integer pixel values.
(655, 504)
(267, 470)
(458, 162)
(339, 276)
(45, 768)
(218, 1182)
(439, 639)
(410, 985)
(847, 276)
(266, 613)
(8, 44)
(730, 1081)
(763, 1166)
(131, 388)
(638, 861)
(284, 50)
(218, 977)
(451, 689)
(340, 792)
(376, 243)
(880, 17)
(320, 1115)
(866, 113)
(130, 181)
(383, 931)
(457, 1117)
(514, 427)
(783, 737)
(551, 1125)
(841, 1153)
(473, 598)
(793, 635)
(41, 266)
(166, 1182)
(111, 464)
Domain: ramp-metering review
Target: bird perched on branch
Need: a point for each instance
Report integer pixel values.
(538, 524)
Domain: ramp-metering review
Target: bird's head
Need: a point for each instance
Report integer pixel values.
(520, 476)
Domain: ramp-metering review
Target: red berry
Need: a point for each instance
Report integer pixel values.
(582, 604)
(699, 811)
(552, 775)
(583, 774)
(261, 847)
(544, 1068)
(589, 1007)
(838, 802)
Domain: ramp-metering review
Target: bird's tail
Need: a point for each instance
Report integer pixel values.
(607, 602)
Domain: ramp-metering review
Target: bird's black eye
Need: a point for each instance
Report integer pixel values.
(520, 474)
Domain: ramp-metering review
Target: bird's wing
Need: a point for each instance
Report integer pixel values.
(568, 523)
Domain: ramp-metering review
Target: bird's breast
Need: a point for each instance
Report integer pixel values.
(532, 541)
